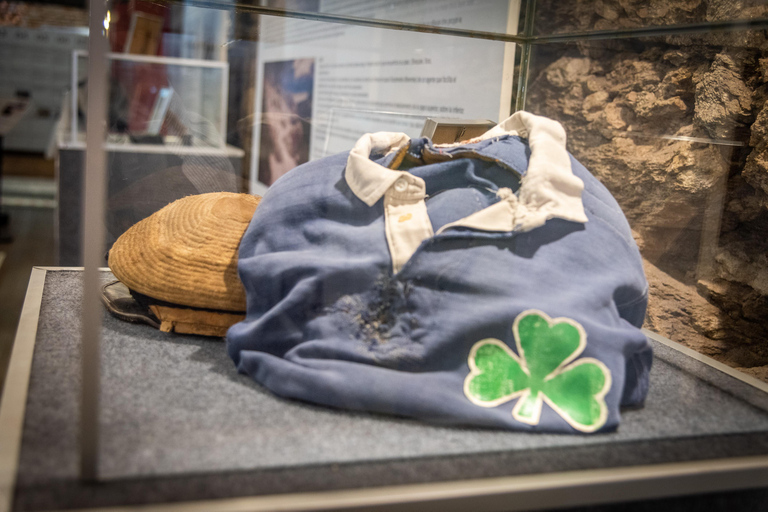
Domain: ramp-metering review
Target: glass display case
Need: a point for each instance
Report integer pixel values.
(165, 139)
(166, 101)
(567, 309)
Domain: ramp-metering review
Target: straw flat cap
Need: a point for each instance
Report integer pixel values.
(186, 253)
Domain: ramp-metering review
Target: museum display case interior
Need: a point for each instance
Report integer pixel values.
(325, 254)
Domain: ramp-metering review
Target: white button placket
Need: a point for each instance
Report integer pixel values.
(406, 220)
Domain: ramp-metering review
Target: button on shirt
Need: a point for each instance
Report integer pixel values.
(493, 282)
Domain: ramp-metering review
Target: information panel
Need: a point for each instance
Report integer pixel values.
(321, 85)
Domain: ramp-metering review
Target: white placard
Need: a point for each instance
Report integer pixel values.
(320, 85)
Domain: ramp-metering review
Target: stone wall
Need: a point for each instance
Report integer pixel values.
(677, 128)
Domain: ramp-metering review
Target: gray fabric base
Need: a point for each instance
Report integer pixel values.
(178, 422)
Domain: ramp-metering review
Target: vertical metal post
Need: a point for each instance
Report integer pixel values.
(525, 56)
(94, 178)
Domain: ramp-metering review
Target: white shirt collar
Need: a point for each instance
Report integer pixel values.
(367, 179)
(548, 190)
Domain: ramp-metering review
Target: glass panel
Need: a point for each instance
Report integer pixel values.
(160, 100)
(427, 293)
(675, 131)
(166, 125)
(554, 17)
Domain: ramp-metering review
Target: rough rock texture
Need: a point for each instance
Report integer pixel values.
(680, 313)
(557, 17)
(756, 171)
(677, 128)
(723, 100)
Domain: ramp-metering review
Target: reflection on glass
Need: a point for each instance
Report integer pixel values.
(166, 103)
(286, 117)
(157, 100)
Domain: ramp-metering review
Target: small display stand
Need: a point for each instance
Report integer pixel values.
(180, 425)
(175, 148)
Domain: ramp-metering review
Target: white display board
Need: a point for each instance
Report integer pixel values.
(320, 86)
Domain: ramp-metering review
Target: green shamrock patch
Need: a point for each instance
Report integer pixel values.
(542, 372)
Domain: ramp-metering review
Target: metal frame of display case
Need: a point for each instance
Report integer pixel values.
(94, 230)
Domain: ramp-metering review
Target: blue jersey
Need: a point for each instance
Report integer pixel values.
(493, 283)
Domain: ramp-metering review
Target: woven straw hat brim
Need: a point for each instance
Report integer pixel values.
(186, 253)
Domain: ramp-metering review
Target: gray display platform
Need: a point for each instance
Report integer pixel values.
(179, 423)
